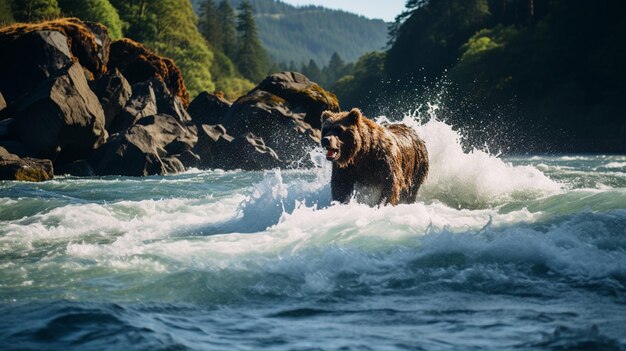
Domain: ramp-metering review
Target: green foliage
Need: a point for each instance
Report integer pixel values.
(426, 38)
(299, 34)
(6, 17)
(94, 10)
(251, 58)
(35, 10)
(226, 18)
(209, 25)
(366, 77)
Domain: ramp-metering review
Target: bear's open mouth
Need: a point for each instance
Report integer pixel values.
(331, 154)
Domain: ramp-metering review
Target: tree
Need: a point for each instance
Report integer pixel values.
(335, 69)
(312, 71)
(6, 17)
(228, 28)
(94, 10)
(209, 25)
(251, 58)
(35, 10)
(426, 38)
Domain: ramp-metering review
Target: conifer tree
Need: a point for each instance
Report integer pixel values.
(209, 25)
(251, 58)
(226, 20)
(336, 67)
(35, 10)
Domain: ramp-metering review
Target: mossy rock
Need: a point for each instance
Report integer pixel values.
(138, 64)
(88, 41)
(27, 170)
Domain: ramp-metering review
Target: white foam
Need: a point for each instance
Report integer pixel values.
(474, 179)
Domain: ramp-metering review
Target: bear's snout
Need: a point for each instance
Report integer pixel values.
(326, 142)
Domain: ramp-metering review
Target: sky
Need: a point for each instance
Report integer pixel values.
(385, 9)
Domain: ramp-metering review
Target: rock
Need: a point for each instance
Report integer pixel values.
(5, 155)
(5, 128)
(142, 104)
(15, 147)
(3, 102)
(247, 152)
(301, 94)
(27, 169)
(78, 168)
(138, 64)
(33, 58)
(169, 134)
(208, 108)
(211, 140)
(113, 91)
(139, 151)
(271, 118)
(167, 103)
(62, 114)
(88, 42)
(189, 159)
(172, 165)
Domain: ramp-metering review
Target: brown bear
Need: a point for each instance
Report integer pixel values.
(379, 164)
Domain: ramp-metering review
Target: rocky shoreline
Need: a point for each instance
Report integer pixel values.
(74, 102)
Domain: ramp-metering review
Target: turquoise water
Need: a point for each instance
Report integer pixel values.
(524, 253)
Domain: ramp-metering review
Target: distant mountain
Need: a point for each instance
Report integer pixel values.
(298, 34)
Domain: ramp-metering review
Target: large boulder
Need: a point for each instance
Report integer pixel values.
(113, 91)
(88, 42)
(146, 148)
(208, 108)
(61, 115)
(33, 170)
(285, 112)
(31, 59)
(139, 64)
(270, 117)
(302, 95)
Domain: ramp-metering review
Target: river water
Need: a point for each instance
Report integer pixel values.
(524, 253)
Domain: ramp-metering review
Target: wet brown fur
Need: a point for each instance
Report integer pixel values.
(393, 158)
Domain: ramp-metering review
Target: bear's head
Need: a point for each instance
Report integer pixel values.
(340, 136)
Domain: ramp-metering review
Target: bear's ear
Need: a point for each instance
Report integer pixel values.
(355, 115)
(326, 115)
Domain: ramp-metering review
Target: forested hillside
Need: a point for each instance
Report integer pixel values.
(547, 74)
(299, 34)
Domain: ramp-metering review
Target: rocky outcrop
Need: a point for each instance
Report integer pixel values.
(98, 108)
(138, 64)
(146, 148)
